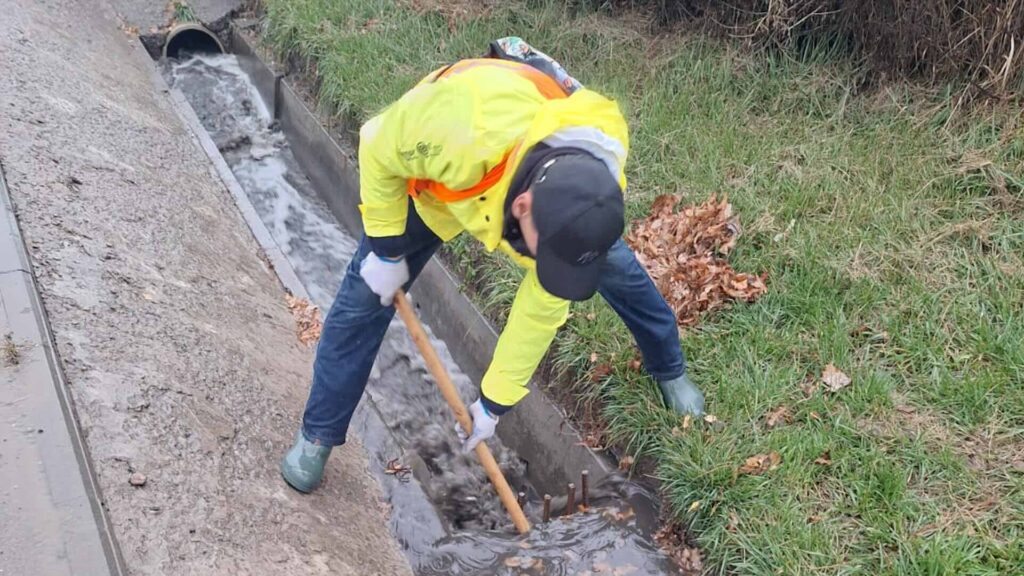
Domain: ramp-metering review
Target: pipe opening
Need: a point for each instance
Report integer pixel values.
(191, 38)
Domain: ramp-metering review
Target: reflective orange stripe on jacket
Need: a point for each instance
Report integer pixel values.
(546, 85)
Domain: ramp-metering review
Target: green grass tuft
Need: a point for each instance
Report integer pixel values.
(182, 12)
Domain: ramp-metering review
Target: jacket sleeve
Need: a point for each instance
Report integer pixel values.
(426, 134)
(532, 323)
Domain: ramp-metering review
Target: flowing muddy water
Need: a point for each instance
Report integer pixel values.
(446, 515)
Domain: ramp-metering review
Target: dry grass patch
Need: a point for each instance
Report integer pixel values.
(9, 353)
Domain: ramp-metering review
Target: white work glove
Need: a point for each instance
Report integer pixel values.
(483, 427)
(384, 276)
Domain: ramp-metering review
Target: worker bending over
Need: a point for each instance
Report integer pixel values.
(514, 151)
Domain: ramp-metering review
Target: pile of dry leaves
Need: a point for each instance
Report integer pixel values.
(685, 254)
(307, 319)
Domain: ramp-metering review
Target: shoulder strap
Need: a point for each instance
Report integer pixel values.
(545, 84)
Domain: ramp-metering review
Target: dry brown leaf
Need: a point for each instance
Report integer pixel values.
(671, 538)
(593, 357)
(684, 252)
(687, 421)
(625, 514)
(824, 460)
(809, 386)
(734, 522)
(906, 409)
(601, 371)
(815, 416)
(690, 561)
(760, 464)
(626, 462)
(593, 440)
(307, 319)
(778, 417)
(710, 418)
(834, 379)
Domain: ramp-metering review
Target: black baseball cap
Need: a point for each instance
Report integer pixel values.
(579, 213)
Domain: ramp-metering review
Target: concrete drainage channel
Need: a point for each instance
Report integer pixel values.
(298, 190)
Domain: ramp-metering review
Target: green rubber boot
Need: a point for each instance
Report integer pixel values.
(303, 465)
(682, 396)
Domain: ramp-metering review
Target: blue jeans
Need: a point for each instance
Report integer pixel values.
(355, 326)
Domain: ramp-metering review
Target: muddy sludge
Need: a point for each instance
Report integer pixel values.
(446, 515)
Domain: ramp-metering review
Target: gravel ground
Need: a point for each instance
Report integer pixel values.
(146, 15)
(178, 348)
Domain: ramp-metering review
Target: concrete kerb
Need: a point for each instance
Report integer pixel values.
(537, 430)
(68, 492)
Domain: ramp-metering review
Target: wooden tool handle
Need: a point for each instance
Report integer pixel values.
(444, 382)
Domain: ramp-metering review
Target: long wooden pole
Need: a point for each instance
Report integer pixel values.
(444, 382)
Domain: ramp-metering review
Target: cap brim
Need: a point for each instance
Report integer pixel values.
(569, 281)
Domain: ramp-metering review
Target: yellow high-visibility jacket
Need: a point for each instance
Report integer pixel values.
(453, 130)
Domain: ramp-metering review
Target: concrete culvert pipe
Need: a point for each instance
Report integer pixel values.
(191, 37)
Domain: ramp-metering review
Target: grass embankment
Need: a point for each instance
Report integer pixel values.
(892, 232)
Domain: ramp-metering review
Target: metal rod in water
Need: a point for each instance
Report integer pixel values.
(570, 502)
(585, 488)
(547, 507)
(521, 498)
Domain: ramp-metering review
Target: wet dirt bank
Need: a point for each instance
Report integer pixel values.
(179, 352)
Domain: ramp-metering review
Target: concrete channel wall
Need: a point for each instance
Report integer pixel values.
(536, 428)
(53, 521)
